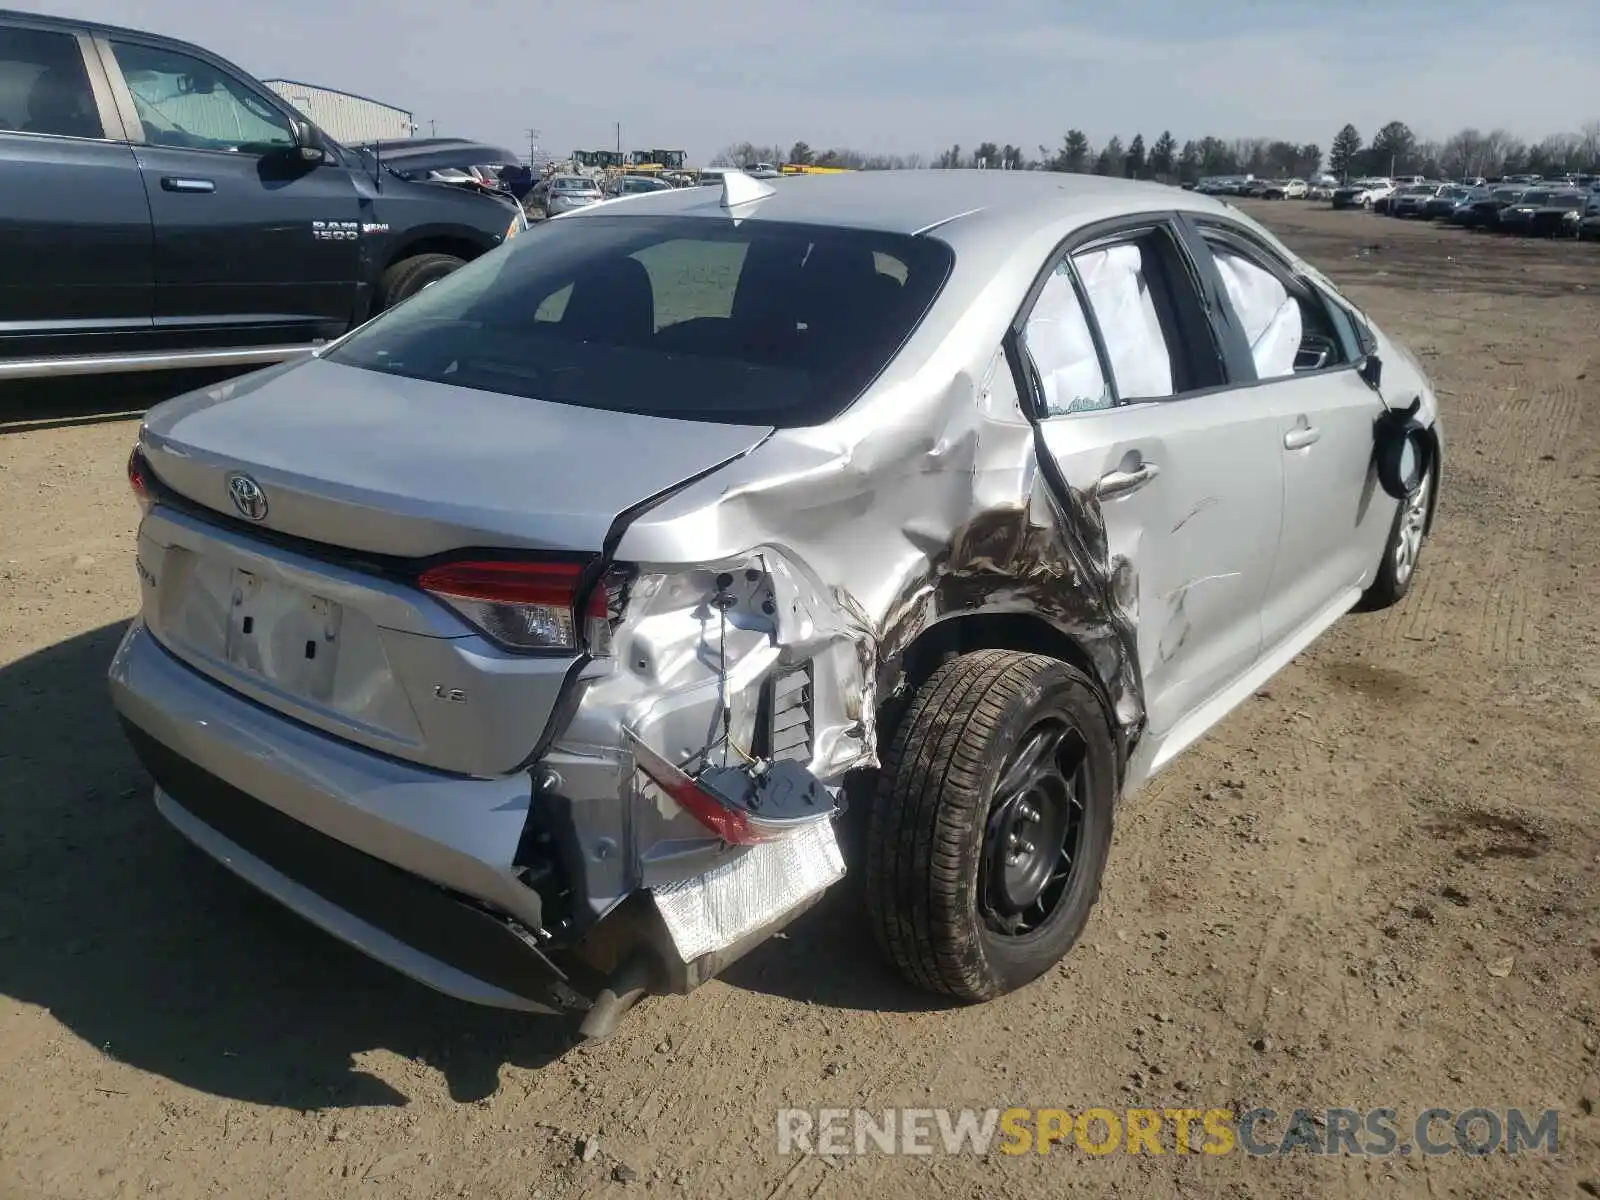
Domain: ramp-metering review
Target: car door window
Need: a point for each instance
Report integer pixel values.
(1289, 328)
(1057, 340)
(1144, 302)
(1271, 318)
(185, 102)
(1117, 281)
(44, 87)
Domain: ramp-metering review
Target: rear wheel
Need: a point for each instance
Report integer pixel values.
(988, 834)
(409, 276)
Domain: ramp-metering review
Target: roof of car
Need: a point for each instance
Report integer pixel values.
(8, 14)
(911, 202)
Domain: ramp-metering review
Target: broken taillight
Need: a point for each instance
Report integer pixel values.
(748, 812)
(139, 477)
(527, 605)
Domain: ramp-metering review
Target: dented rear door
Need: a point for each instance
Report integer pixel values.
(1189, 490)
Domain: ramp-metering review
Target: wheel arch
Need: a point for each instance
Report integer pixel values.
(1438, 474)
(998, 629)
(462, 241)
(443, 242)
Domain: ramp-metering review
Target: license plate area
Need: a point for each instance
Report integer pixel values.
(285, 635)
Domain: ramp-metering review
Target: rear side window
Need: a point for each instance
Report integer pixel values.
(43, 85)
(1122, 293)
(1058, 340)
(1143, 299)
(753, 322)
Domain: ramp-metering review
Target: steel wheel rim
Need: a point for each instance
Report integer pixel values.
(1033, 835)
(1413, 523)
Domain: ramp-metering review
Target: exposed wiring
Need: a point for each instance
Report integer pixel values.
(727, 700)
(722, 601)
(722, 672)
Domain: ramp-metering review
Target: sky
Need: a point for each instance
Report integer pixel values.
(913, 76)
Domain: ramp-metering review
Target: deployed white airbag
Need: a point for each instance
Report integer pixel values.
(1271, 317)
(1063, 351)
(1120, 296)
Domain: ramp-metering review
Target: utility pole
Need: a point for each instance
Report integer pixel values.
(533, 147)
(433, 127)
(619, 137)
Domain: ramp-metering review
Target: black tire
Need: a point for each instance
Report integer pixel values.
(409, 276)
(935, 835)
(1394, 578)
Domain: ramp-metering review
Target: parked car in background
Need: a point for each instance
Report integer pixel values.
(634, 185)
(568, 193)
(1589, 219)
(1443, 202)
(1320, 191)
(1412, 198)
(451, 159)
(1284, 189)
(686, 517)
(1462, 209)
(1363, 193)
(161, 208)
(1483, 210)
(1542, 212)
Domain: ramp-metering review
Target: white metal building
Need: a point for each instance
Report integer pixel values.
(345, 117)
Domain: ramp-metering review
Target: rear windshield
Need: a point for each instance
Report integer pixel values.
(750, 322)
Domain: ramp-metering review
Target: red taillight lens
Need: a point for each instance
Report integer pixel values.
(524, 605)
(139, 477)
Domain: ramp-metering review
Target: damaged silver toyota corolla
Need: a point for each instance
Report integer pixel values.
(533, 637)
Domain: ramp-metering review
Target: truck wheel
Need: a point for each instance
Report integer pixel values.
(1401, 552)
(989, 830)
(410, 275)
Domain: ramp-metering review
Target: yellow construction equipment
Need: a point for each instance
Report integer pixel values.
(656, 160)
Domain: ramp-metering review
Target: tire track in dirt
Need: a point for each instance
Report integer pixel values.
(1510, 568)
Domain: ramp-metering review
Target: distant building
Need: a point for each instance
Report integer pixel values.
(345, 117)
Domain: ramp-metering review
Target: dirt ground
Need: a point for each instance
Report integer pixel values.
(1377, 884)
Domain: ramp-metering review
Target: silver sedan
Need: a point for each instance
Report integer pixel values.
(534, 636)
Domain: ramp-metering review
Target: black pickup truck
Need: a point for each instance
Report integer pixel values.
(161, 208)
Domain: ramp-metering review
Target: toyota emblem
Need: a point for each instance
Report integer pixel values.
(247, 497)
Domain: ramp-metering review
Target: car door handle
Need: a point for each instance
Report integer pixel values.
(1124, 483)
(1299, 439)
(178, 183)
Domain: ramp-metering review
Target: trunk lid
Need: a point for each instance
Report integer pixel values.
(392, 470)
(410, 468)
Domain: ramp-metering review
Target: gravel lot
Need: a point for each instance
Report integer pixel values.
(1377, 884)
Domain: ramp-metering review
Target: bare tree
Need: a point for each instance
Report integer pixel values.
(1468, 152)
(1589, 144)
